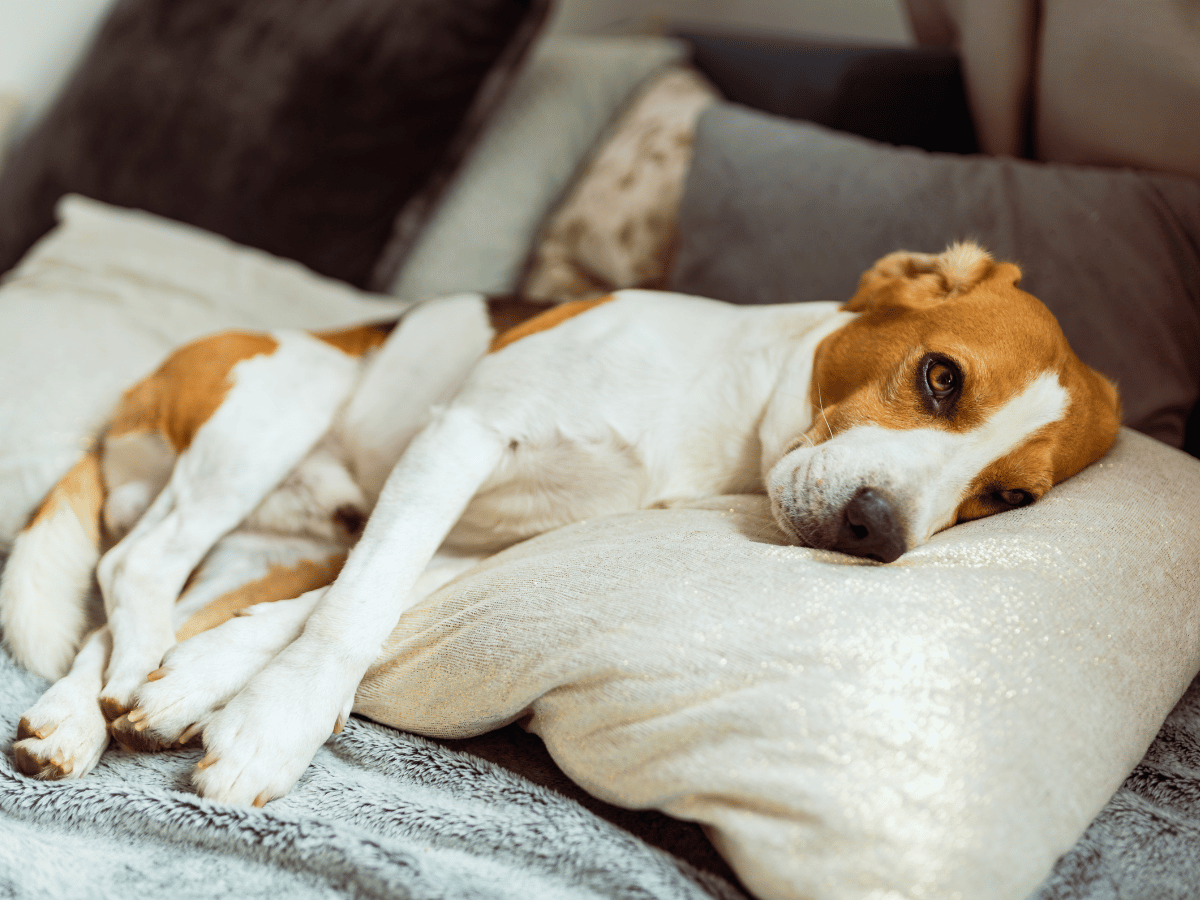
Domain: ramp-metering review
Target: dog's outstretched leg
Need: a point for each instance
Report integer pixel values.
(201, 674)
(265, 737)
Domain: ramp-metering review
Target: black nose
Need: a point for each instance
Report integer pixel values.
(871, 527)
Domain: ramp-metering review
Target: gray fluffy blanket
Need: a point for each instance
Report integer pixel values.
(381, 813)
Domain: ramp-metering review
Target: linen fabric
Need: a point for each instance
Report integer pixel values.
(301, 127)
(780, 211)
(944, 726)
(99, 302)
(481, 233)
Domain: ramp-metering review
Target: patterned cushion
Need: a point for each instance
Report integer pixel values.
(616, 228)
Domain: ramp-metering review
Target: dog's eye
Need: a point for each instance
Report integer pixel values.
(1014, 498)
(941, 379)
(939, 383)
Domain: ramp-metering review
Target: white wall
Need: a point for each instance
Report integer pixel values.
(40, 40)
(39, 43)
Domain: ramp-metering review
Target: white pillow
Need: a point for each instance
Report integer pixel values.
(563, 100)
(10, 110)
(101, 300)
(942, 727)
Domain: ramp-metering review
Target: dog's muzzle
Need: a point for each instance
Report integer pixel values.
(858, 516)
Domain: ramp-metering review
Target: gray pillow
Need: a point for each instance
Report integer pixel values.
(779, 211)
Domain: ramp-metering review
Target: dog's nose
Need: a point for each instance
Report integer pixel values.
(871, 527)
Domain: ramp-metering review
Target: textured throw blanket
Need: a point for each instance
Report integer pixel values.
(381, 813)
(378, 814)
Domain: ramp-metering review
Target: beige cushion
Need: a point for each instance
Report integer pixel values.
(616, 227)
(941, 727)
(100, 301)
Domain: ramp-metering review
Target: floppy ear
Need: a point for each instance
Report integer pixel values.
(917, 280)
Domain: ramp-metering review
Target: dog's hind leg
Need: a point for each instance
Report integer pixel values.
(276, 404)
(222, 643)
(259, 744)
(218, 654)
(64, 733)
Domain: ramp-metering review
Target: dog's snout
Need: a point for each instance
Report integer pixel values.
(871, 527)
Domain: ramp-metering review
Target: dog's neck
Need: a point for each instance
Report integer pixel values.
(788, 409)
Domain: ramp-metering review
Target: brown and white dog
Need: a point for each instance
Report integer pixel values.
(247, 463)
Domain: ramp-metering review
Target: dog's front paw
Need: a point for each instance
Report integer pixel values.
(128, 670)
(62, 735)
(259, 745)
(202, 674)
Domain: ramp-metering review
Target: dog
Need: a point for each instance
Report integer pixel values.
(243, 471)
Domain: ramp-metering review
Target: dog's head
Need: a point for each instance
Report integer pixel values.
(952, 396)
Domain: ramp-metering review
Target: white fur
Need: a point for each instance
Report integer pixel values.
(136, 467)
(49, 573)
(420, 367)
(308, 498)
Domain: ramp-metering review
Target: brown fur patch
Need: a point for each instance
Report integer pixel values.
(555, 315)
(82, 489)
(280, 583)
(357, 341)
(188, 388)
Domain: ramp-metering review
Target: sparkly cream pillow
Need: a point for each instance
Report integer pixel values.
(945, 726)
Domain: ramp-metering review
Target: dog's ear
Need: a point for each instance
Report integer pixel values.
(917, 280)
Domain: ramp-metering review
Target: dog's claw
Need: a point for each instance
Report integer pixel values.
(136, 715)
(190, 732)
(209, 759)
(261, 800)
(339, 724)
(25, 730)
(160, 672)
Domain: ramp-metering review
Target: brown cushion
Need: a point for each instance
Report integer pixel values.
(777, 211)
(302, 127)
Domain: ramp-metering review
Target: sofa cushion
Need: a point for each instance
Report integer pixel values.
(100, 301)
(775, 210)
(564, 99)
(301, 127)
(944, 726)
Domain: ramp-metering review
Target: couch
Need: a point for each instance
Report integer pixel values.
(671, 703)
